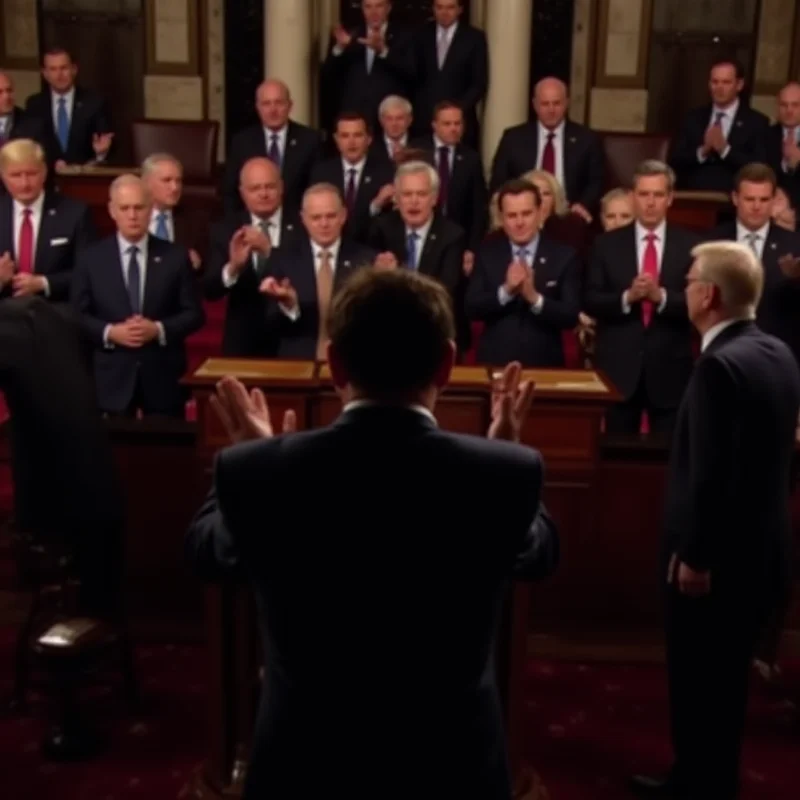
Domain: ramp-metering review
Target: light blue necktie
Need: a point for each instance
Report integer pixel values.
(370, 59)
(3, 131)
(162, 231)
(522, 255)
(411, 250)
(62, 123)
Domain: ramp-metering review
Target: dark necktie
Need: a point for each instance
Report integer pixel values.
(274, 152)
(549, 155)
(444, 176)
(134, 280)
(351, 190)
(5, 129)
(412, 256)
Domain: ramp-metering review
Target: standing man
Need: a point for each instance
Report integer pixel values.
(727, 527)
(414, 671)
(452, 63)
(783, 142)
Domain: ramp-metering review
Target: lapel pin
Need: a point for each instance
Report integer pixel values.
(289, 227)
(52, 212)
(572, 140)
(157, 259)
(458, 156)
(542, 260)
(738, 123)
(346, 264)
(433, 237)
(367, 179)
(293, 142)
(773, 246)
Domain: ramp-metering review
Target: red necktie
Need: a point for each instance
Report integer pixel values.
(649, 267)
(549, 155)
(25, 250)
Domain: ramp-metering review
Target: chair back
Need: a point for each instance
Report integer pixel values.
(193, 143)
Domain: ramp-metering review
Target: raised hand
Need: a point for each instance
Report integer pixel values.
(511, 402)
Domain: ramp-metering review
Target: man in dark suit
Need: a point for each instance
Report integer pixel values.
(74, 117)
(41, 232)
(293, 147)
(368, 64)
(242, 247)
(718, 139)
(452, 63)
(777, 249)
(138, 303)
(364, 179)
(414, 672)
(727, 527)
(524, 287)
(462, 188)
(59, 449)
(567, 150)
(783, 142)
(634, 290)
(395, 115)
(302, 283)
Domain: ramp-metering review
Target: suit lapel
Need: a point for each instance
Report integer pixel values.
(432, 243)
(76, 119)
(7, 227)
(115, 270)
(153, 275)
(288, 164)
(344, 265)
(629, 259)
(49, 213)
(570, 151)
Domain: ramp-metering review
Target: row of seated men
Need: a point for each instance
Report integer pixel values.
(279, 271)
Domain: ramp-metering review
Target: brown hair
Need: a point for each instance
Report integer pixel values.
(517, 187)
(352, 116)
(755, 173)
(446, 105)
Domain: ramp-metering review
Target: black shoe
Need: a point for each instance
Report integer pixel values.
(647, 786)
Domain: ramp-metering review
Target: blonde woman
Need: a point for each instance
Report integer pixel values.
(616, 209)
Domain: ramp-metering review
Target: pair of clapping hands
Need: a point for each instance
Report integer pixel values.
(22, 283)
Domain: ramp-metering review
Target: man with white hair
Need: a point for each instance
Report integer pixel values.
(395, 115)
(727, 526)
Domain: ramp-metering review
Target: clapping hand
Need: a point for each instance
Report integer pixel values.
(691, 582)
(790, 265)
(511, 402)
(246, 416)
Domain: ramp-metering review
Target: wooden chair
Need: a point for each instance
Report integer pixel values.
(193, 143)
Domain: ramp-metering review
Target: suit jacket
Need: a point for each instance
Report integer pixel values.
(192, 223)
(789, 179)
(65, 230)
(89, 116)
(101, 298)
(430, 659)
(303, 148)
(467, 198)
(376, 174)
(779, 309)
(362, 91)
(27, 126)
(514, 332)
(727, 506)
(463, 78)
(661, 353)
(747, 140)
(584, 165)
(297, 339)
(246, 334)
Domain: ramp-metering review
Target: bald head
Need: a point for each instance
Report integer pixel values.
(6, 94)
(273, 104)
(129, 206)
(789, 105)
(261, 187)
(550, 101)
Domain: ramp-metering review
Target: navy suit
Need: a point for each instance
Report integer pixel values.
(297, 339)
(513, 332)
(65, 230)
(405, 602)
(150, 374)
(27, 126)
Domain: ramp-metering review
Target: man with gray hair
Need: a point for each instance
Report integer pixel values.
(635, 292)
(726, 555)
(395, 115)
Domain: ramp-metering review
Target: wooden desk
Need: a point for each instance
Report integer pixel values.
(564, 425)
(698, 211)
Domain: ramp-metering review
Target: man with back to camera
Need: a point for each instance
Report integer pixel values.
(727, 527)
(404, 593)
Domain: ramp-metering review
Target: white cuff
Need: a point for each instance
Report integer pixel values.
(228, 278)
(106, 343)
(626, 306)
(537, 307)
(162, 335)
(292, 313)
(503, 297)
(700, 157)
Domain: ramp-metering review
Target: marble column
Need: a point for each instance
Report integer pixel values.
(287, 50)
(477, 13)
(508, 33)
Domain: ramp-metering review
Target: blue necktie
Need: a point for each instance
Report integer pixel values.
(162, 231)
(370, 59)
(411, 250)
(4, 129)
(522, 255)
(274, 153)
(62, 124)
(134, 281)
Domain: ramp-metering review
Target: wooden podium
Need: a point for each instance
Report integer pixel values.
(564, 425)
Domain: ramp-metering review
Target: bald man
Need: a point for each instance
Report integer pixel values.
(242, 247)
(137, 300)
(783, 142)
(292, 147)
(551, 142)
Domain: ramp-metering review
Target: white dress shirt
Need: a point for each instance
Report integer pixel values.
(358, 167)
(558, 147)
(641, 233)
(503, 297)
(716, 330)
(390, 144)
(316, 251)
(726, 123)
(282, 135)
(743, 236)
(170, 222)
(274, 232)
(37, 209)
(446, 35)
(416, 408)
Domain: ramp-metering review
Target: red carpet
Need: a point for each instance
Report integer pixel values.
(590, 727)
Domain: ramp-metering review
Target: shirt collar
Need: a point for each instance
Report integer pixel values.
(660, 231)
(280, 133)
(273, 220)
(529, 246)
(68, 96)
(437, 143)
(421, 231)
(358, 166)
(558, 130)
(333, 249)
(716, 330)
(416, 408)
(124, 244)
(36, 207)
(742, 232)
(729, 112)
(450, 30)
(156, 213)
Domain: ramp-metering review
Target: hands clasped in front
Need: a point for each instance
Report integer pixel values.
(521, 280)
(22, 283)
(643, 287)
(134, 332)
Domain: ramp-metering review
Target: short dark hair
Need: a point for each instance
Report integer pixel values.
(446, 105)
(391, 330)
(755, 172)
(414, 154)
(352, 116)
(517, 187)
(729, 61)
(57, 51)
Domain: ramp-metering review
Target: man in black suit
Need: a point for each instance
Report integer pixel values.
(783, 142)
(366, 181)
(718, 139)
(452, 63)
(138, 304)
(302, 283)
(777, 249)
(524, 287)
(414, 672)
(635, 292)
(242, 247)
(462, 195)
(569, 151)
(395, 115)
(74, 117)
(727, 526)
(419, 238)
(370, 63)
(41, 232)
(293, 147)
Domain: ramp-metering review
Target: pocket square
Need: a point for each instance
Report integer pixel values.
(550, 284)
(57, 242)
